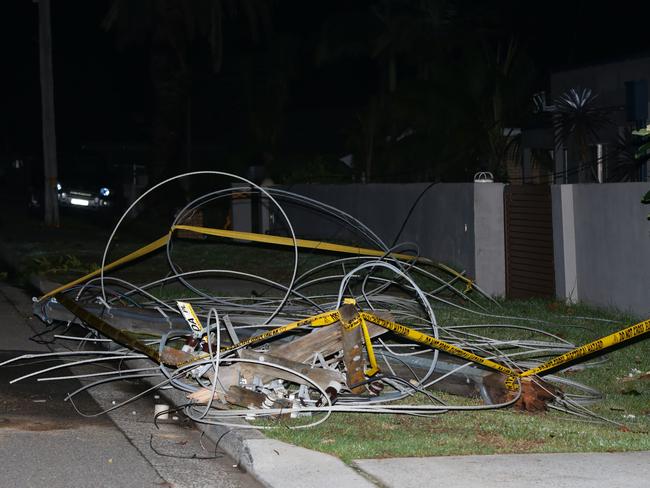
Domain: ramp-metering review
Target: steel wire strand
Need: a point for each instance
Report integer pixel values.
(196, 173)
(123, 403)
(92, 375)
(392, 409)
(193, 206)
(419, 293)
(214, 357)
(76, 363)
(83, 388)
(57, 354)
(134, 289)
(366, 273)
(444, 284)
(289, 291)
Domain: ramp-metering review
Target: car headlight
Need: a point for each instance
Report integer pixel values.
(58, 186)
(104, 192)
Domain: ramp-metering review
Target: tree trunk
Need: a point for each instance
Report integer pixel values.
(50, 202)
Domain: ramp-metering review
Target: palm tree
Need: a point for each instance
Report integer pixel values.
(577, 118)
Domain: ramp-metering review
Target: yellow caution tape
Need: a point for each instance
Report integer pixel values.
(329, 318)
(320, 319)
(512, 383)
(326, 318)
(188, 313)
(287, 241)
(598, 345)
(152, 246)
(427, 340)
(374, 367)
(352, 324)
(248, 236)
(264, 238)
(595, 346)
(324, 246)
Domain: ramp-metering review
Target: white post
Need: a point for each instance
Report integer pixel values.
(599, 159)
(569, 244)
(489, 238)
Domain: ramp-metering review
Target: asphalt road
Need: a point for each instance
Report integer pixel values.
(44, 442)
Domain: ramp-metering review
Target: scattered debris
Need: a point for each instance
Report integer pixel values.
(161, 411)
(358, 333)
(636, 382)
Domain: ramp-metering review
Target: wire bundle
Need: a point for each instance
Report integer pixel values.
(413, 291)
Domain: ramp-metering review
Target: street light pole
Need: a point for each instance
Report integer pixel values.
(50, 202)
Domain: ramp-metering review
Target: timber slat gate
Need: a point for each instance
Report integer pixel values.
(529, 242)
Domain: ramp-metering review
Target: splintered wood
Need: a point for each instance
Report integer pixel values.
(325, 340)
(298, 356)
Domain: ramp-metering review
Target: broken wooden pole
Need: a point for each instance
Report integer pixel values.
(352, 339)
(323, 340)
(320, 376)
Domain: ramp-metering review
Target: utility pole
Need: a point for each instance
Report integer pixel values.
(50, 202)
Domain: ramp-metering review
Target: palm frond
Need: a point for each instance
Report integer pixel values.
(578, 116)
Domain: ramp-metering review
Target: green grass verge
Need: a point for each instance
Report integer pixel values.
(358, 436)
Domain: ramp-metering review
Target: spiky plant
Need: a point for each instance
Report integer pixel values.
(578, 118)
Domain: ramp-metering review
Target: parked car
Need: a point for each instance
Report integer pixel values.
(85, 183)
(86, 188)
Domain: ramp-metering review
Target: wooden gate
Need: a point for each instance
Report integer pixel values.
(529, 242)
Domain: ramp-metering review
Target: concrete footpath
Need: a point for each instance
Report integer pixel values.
(278, 464)
(573, 470)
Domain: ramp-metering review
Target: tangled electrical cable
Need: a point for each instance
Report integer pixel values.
(234, 360)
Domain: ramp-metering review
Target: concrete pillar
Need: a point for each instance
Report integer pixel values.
(564, 243)
(489, 238)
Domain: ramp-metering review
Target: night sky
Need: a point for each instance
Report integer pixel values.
(320, 57)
